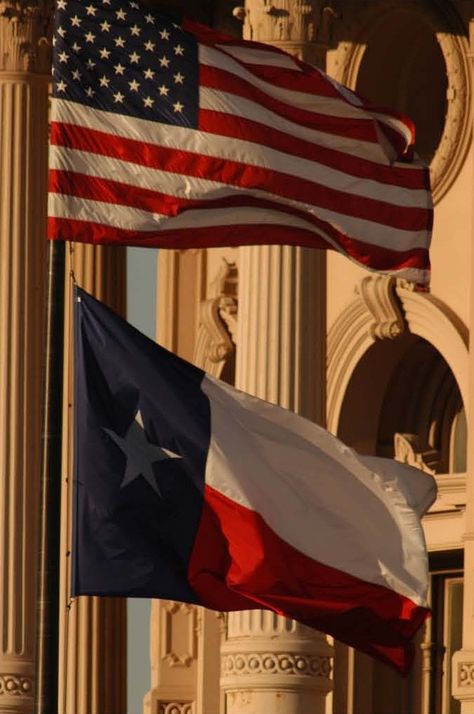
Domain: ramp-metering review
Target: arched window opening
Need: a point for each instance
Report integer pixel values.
(405, 387)
(423, 401)
(409, 76)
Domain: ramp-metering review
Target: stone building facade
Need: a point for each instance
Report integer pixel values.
(384, 366)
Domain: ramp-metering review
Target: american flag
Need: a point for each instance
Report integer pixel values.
(175, 136)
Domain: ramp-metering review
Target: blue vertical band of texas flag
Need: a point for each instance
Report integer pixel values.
(132, 539)
(187, 489)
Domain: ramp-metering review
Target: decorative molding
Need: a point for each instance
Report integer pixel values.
(218, 322)
(176, 708)
(451, 36)
(280, 663)
(25, 31)
(380, 299)
(13, 685)
(412, 450)
(179, 616)
(465, 674)
(351, 336)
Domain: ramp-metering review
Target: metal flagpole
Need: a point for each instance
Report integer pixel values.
(47, 643)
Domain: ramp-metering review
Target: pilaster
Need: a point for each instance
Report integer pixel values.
(24, 70)
(92, 676)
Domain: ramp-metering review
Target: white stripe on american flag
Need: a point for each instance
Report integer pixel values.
(394, 123)
(86, 162)
(249, 55)
(214, 99)
(113, 214)
(329, 106)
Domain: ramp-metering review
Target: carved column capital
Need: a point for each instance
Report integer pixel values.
(25, 31)
(292, 24)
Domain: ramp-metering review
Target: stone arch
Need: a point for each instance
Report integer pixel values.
(384, 309)
(449, 40)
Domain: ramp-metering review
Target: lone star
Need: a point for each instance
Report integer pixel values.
(140, 453)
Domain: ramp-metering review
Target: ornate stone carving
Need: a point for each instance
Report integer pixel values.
(176, 708)
(14, 685)
(411, 449)
(25, 29)
(183, 617)
(282, 21)
(451, 37)
(463, 676)
(466, 674)
(288, 663)
(378, 294)
(218, 323)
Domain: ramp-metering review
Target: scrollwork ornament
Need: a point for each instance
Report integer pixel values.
(218, 322)
(25, 36)
(451, 37)
(13, 685)
(381, 301)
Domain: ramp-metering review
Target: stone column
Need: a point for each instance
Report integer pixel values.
(270, 664)
(92, 655)
(24, 73)
(463, 661)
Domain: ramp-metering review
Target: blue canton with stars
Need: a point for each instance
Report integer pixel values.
(123, 58)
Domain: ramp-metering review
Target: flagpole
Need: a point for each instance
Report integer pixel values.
(47, 643)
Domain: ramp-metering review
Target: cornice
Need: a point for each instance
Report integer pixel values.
(25, 36)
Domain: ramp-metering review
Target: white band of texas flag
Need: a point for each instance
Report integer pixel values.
(188, 489)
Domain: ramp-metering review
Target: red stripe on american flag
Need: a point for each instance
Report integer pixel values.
(319, 84)
(362, 129)
(215, 122)
(123, 194)
(213, 237)
(240, 174)
(301, 79)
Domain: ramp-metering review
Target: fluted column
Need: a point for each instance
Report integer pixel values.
(92, 677)
(463, 660)
(269, 663)
(24, 70)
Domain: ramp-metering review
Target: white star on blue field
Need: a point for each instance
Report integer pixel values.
(141, 454)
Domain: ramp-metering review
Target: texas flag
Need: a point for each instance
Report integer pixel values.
(187, 489)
